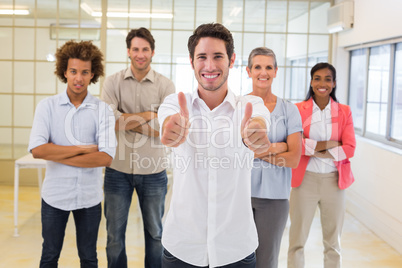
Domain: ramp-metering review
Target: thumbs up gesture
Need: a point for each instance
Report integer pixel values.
(254, 131)
(175, 127)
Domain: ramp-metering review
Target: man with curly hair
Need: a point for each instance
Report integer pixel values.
(74, 131)
(140, 164)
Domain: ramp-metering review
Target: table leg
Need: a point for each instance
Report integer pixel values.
(16, 185)
(40, 180)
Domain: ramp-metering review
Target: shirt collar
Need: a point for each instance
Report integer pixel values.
(88, 101)
(230, 98)
(150, 75)
(326, 109)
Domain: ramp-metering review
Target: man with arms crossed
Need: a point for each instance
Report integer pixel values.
(210, 220)
(74, 131)
(136, 94)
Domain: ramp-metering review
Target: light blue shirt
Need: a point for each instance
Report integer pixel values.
(268, 180)
(58, 121)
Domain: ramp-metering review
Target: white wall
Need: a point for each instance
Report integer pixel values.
(375, 198)
(374, 20)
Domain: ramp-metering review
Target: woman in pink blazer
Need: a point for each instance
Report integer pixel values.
(324, 169)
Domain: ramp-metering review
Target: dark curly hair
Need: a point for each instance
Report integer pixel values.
(85, 51)
(215, 30)
(143, 33)
(317, 67)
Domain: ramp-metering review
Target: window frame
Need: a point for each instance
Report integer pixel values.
(386, 139)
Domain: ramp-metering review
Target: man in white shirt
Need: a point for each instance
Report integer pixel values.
(214, 135)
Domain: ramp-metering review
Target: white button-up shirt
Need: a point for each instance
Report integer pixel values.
(59, 122)
(210, 220)
(321, 130)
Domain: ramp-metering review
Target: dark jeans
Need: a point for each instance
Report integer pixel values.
(151, 190)
(170, 261)
(54, 223)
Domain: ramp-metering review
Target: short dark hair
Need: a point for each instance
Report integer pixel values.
(215, 30)
(85, 51)
(319, 66)
(141, 33)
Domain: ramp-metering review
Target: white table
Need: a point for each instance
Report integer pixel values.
(26, 161)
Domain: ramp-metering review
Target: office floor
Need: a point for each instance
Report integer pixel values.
(361, 248)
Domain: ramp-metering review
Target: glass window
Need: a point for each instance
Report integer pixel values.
(317, 48)
(23, 110)
(276, 15)
(278, 85)
(162, 7)
(318, 16)
(238, 45)
(254, 15)
(251, 41)
(28, 20)
(296, 54)
(377, 92)
(140, 7)
(298, 16)
(45, 47)
(163, 46)
(164, 69)
(396, 123)
(6, 143)
(6, 39)
(116, 48)
(24, 36)
(46, 13)
(6, 76)
(25, 69)
(112, 68)
(117, 16)
(183, 14)
(232, 16)
(358, 63)
(45, 79)
(183, 78)
(205, 11)
(69, 12)
(5, 110)
(277, 42)
(281, 25)
(21, 139)
(180, 50)
(296, 82)
(235, 79)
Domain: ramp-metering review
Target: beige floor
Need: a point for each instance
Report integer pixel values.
(361, 248)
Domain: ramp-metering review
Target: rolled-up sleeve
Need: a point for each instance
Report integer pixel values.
(109, 95)
(107, 138)
(260, 110)
(170, 106)
(309, 146)
(40, 132)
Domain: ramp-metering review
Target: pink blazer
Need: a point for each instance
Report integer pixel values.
(342, 130)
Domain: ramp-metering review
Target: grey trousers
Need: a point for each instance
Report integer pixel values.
(270, 216)
(316, 190)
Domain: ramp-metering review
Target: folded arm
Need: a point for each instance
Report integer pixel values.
(133, 121)
(53, 152)
(147, 130)
(285, 158)
(90, 160)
